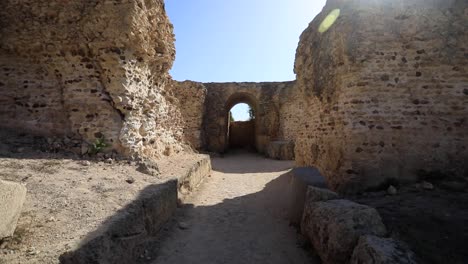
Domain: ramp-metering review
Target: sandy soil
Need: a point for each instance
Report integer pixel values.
(67, 197)
(238, 215)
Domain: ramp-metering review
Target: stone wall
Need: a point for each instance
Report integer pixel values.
(384, 91)
(191, 103)
(242, 134)
(264, 98)
(90, 69)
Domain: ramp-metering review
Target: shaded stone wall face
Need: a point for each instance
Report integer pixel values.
(384, 91)
(90, 69)
(242, 134)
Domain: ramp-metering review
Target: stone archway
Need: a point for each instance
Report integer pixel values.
(221, 97)
(241, 134)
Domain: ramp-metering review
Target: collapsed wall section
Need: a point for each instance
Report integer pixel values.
(89, 70)
(384, 89)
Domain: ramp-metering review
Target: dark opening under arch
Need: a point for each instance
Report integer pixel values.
(241, 134)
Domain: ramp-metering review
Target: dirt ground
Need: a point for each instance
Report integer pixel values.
(434, 223)
(68, 197)
(238, 215)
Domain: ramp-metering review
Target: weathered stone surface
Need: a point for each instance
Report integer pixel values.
(149, 167)
(376, 250)
(12, 197)
(242, 134)
(335, 226)
(281, 150)
(191, 100)
(380, 94)
(298, 202)
(91, 70)
(301, 180)
(195, 175)
(122, 234)
(265, 100)
(315, 194)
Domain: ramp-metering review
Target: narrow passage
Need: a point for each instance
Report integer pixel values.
(238, 215)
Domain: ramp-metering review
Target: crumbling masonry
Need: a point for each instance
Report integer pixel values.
(380, 94)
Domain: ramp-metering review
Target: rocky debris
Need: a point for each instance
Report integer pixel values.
(392, 190)
(184, 225)
(375, 250)
(281, 150)
(427, 185)
(85, 163)
(12, 197)
(334, 227)
(148, 167)
(130, 180)
(301, 179)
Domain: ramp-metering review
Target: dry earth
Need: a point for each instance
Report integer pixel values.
(238, 215)
(434, 223)
(68, 198)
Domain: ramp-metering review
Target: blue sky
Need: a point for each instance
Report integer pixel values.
(238, 40)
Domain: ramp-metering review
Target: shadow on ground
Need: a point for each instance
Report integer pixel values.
(247, 229)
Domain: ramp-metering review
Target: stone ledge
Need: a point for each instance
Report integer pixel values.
(121, 237)
(194, 176)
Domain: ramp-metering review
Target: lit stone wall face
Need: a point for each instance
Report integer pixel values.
(89, 69)
(191, 98)
(384, 91)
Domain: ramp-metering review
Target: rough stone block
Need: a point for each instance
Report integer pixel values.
(335, 226)
(12, 197)
(301, 179)
(281, 150)
(376, 250)
(315, 194)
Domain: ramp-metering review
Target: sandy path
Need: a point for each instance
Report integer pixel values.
(237, 216)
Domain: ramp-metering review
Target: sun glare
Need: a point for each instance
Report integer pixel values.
(329, 20)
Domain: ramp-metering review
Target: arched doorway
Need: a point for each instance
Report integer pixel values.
(241, 127)
(241, 133)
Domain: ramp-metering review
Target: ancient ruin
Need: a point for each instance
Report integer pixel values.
(380, 101)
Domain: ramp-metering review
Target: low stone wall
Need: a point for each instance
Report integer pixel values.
(121, 237)
(195, 175)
